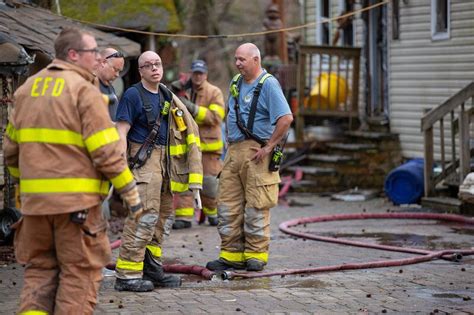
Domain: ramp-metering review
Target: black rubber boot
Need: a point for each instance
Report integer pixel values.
(221, 264)
(212, 221)
(133, 285)
(153, 272)
(181, 224)
(255, 265)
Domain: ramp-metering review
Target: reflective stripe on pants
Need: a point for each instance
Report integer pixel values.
(148, 229)
(247, 191)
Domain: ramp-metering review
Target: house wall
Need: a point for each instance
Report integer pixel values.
(423, 73)
(309, 11)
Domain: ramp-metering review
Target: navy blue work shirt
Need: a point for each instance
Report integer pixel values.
(131, 110)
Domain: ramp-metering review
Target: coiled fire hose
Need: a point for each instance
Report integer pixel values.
(285, 227)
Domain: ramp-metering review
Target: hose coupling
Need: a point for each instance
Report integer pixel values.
(226, 275)
(456, 257)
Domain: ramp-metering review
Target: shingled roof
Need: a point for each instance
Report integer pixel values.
(36, 29)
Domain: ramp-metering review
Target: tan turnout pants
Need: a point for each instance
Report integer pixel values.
(212, 165)
(147, 231)
(64, 262)
(246, 193)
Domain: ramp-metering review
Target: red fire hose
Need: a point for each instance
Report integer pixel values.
(173, 268)
(454, 254)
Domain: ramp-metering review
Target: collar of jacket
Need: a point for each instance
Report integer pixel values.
(202, 86)
(64, 65)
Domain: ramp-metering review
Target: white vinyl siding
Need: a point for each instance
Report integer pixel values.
(425, 72)
(310, 17)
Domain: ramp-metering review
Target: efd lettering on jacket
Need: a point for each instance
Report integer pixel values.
(43, 85)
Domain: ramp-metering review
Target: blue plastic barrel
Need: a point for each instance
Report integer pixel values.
(405, 183)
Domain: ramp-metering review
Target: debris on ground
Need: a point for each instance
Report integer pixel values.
(7, 255)
(355, 195)
(116, 224)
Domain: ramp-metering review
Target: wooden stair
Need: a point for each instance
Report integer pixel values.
(359, 159)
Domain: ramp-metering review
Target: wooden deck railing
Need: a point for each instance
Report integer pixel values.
(328, 83)
(456, 112)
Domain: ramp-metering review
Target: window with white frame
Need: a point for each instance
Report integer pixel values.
(440, 19)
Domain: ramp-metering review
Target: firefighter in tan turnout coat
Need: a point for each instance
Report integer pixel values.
(206, 103)
(62, 146)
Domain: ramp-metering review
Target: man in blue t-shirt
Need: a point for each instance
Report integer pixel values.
(247, 189)
(139, 266)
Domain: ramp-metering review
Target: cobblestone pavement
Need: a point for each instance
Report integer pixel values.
(435, 287)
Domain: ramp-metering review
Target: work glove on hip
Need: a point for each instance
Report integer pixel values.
(133, 202)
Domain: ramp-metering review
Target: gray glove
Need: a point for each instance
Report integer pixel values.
(192, 108)
(134, 203)
(177, 86)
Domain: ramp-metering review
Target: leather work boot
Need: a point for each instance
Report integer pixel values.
(153, 272)
(255, 265)
(222, 264)
(212, 221)
(181, 224)
(133, 285)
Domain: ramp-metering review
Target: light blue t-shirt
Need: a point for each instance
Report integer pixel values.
(271, 106)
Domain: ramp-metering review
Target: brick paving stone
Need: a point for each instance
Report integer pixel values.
(422, 288)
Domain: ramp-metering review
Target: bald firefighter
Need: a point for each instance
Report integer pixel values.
(62, 146)
(165, 157)
(258, 118)
(206, 103)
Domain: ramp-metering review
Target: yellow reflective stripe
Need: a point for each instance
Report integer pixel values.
(34, 312)
(101, 138)
(183, 148)
(12, 133)
(123, 179)
(129, 265)
(195, 178)
(218, 109)
(236, 78)
(179, 187)
(201, 115)
(192, 138)
(184, 212)
(209, 211)
(14, 171)
(178, 149)
(155, 250)
(212, 146)
(232, 256)
(64, 185)
(260, 256)
(46, 135)
(264, 78)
